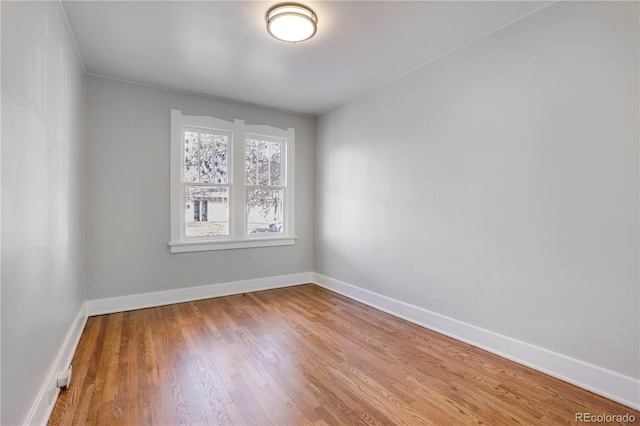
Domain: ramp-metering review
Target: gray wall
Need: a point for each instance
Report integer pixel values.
(127, 169)
(42, 197)
(499, 185)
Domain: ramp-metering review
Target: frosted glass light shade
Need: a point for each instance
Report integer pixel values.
(291, 22)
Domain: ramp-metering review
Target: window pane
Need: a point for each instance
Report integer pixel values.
(206, 211)
(220, 159)
(206, 157)
(264, 210)
(251, 160)
(275, 163)
(263, 162)
(213, 158)
(191, 156)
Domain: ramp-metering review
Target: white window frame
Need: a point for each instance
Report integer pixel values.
(238, 237)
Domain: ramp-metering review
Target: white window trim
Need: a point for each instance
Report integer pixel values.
(238, 237)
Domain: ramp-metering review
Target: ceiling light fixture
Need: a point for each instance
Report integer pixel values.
(291, 22)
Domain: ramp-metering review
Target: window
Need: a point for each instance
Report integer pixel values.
(231, 184)
(205, 182)
(263, 179)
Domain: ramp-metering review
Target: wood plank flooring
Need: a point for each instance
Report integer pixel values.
(299, 356)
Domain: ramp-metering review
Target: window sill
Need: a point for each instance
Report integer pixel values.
(193, 246)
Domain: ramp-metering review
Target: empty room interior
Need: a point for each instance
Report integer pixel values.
(321, 212)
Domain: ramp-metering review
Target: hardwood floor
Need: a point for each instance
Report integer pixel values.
(300, 355)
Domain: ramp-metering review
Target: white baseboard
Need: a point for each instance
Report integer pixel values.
(612, 385)
(168, 297)
(42, 407)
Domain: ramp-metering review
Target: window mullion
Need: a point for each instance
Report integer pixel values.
(199, 150)
(266, 186)
(269, 161)
(237, 215)
(183, 187)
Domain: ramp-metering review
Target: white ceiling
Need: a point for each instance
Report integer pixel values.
(222, 49)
